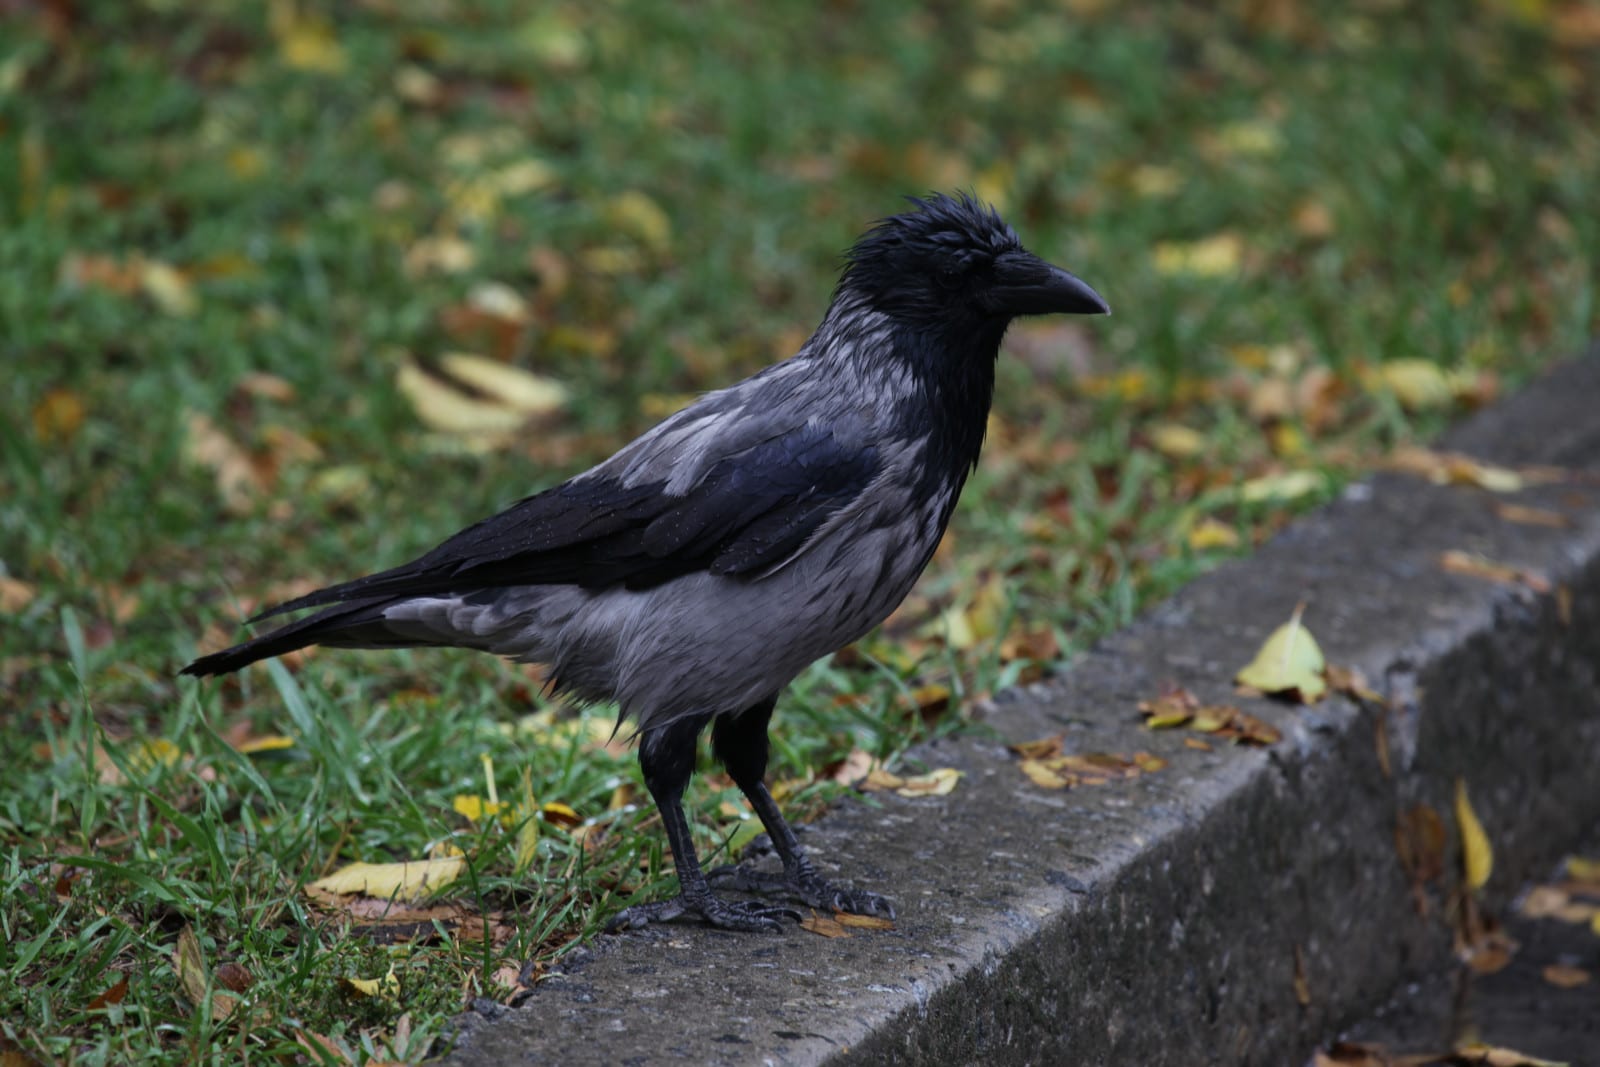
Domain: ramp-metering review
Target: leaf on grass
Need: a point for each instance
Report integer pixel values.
(1177, 441)
(1209, 534)
(15, 595)
(399, 881)
(188, 959)
(1418, 384)
(965, 625)
(1289, 664)
(168, 288)
(1475, 566)
(823, 926)
(1477, 857)
(475, 809)
(305, 41)
(1217, 256)
(239, 483)
(863, 922)
(386, 987)
(481, 402)
(256, 746)
(1289, 485)
(58, 415)
(114, 995)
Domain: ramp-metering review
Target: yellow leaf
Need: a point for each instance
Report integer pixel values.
(1289, 662)
(1477, 857)
(528, 828)
(271, 743)
(402, 881)
(439, 254)
(1152, 180)
(501, 301)
(387, 987)
(1176, 440)
(57, 416)
(475, 808)
(1583, 869)
(933, 784)
(1249, 137)
(444, 408)
(511, 386)
(1290, 485)
(863, 922)
(641, 218)
(305, 42)
(965, 625)
(1040, 774)
(168, 288)
(1418, 384)
(1210, 534)
(1216, 256)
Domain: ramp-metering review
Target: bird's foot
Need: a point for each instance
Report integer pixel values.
(747, 915)
(809, 888)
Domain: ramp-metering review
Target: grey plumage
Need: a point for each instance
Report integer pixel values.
(694, 574)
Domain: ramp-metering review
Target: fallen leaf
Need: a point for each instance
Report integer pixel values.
(935, 783)
(1288, 664)
(1302, 987)
(856, 767)
(168, 288)
(1529, 516)
(1216, 256)
(1043, 748)
(305, 41)
(863, 922)
(239, 483)
(57, 416)
(15, 595)
(188, 959)
(823, 925)
(513, 387)
(1290, 485)
(1455, 468)
(1563, 976)
(1473, 565)
(1209, 534)
(1477, 856)
(234, 977)
(386, 987)
(401, 881)
(1177, 441)
(1418, 384)
(114, 995)
(1478, 1054)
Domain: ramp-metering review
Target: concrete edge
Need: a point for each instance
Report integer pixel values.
(1234, 908)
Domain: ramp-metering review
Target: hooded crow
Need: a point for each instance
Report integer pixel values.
(691, 576)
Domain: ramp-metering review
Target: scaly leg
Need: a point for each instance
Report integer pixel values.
(740, 742)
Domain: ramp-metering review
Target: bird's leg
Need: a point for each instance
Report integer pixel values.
(740, 742)
(666, 755)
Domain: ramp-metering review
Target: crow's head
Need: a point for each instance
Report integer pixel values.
(952, 264)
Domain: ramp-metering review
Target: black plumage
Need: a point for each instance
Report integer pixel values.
(693, 574)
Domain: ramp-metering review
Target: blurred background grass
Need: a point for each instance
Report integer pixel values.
(227, 228)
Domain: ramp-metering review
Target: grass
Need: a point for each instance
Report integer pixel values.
(254, 215)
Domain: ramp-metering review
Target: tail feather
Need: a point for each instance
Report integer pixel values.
(325, 626)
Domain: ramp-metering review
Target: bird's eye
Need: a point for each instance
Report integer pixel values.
(949, 277)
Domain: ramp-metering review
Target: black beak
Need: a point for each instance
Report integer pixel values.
(1027, 285)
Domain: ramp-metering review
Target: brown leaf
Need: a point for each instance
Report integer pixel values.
(1043, 748)
(15, 595)
(863, 922)
(113, 995)
(1476, 566)
(1564, 977)
(1302, 988)
(57, 416)
(823, 926)
(239, 483)
(1529, 516)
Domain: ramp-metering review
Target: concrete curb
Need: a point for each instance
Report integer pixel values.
(1160, 920)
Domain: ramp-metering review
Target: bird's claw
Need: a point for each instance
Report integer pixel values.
(745, 915)
(813, 889)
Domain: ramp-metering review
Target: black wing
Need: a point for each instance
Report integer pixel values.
(749, 511)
